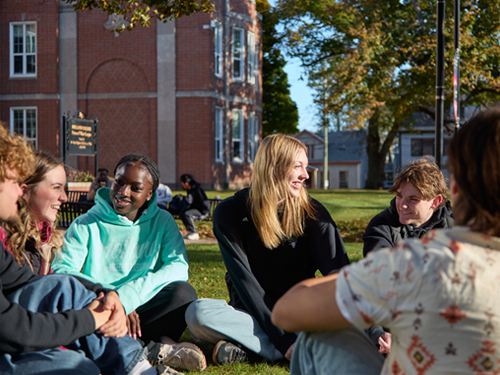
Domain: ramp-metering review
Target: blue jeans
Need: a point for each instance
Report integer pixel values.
(92, 354)
(212, 320)
(343, 351)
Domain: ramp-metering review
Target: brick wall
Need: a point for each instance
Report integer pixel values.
(117, 83)
(110, 65)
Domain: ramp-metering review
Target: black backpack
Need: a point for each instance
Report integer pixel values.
(178, 205)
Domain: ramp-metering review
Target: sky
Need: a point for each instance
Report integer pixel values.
(301, 94)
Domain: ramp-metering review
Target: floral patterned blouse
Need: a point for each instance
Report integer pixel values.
(439, 296)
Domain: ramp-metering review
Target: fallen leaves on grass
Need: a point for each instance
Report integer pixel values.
(204, 228)
(352, 230)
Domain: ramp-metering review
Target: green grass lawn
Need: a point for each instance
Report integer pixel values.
(342, 204)
(351, 210)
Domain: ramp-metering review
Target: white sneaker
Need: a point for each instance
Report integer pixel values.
(193, 236)
(183, 355)
(165, 370)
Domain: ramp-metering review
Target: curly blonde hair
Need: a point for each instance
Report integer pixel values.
(269, 191)
(26, 230)
(15, 154)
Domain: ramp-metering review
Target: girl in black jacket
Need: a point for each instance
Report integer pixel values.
(271, 236)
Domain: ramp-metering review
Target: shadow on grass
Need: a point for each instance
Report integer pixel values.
(368, 208)
(347, 191)
(204, 253)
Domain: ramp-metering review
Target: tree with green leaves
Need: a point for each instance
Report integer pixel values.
(140, 12)
(279, 111)
(376, 59)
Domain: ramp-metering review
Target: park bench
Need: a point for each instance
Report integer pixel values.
(213, 203)
(76, 205)
(76, 195)
(69, 211)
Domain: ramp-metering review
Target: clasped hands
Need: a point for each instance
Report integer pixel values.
(109, 315)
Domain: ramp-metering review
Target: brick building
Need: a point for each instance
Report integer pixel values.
(187, 93)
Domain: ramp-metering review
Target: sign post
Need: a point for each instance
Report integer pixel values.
(80, 136)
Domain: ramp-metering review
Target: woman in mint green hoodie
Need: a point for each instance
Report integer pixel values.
(125, 242)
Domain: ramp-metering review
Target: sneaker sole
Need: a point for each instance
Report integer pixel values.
(203, 364)
(216, 350)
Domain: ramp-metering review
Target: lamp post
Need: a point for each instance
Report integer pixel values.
(456, 65)
(326, 181)
(439, 82)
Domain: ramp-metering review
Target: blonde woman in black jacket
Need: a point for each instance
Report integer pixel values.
(271, 236)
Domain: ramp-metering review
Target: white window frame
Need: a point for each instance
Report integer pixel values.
(32, 140)
(218, 50)
(238, 138)
(24, 55)
(219, 141)
(238, 54)
(256, 68)
(253, 136)
(251, 57)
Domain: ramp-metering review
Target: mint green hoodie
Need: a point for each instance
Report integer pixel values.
(137, 259)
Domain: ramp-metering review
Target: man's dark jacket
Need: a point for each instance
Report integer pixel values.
(385, 230)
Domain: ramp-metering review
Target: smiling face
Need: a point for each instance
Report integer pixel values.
(133, 186)
(412, 207)
(46, 197)
(10, 191)
(298, 174)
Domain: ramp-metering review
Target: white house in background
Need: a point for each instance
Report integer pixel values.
(420, 141)
(347, 158)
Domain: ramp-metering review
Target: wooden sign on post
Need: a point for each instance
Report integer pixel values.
(81, 137)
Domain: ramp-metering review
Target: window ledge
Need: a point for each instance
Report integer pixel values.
(23, 76)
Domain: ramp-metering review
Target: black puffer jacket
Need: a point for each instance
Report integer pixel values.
(385, 230)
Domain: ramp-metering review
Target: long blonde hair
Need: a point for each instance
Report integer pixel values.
(26, 229)
(277, 214)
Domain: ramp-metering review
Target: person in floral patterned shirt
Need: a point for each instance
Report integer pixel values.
(437, 294)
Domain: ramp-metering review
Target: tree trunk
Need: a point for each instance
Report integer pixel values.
(377, 152)
(376, 163)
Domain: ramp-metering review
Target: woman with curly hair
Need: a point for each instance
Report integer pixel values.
(32, 240)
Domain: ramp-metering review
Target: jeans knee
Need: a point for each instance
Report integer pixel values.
(195, 314)
(200, 312)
